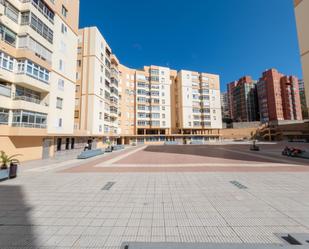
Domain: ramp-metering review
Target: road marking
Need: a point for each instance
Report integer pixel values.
(115, 159)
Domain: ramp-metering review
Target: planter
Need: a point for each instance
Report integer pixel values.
(4, 174)
(13, 170)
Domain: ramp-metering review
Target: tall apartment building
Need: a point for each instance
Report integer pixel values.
(279, 97)
(243, 100)
(303, 101)
(224, 105)
(197, 105)
(230, 98)
(302, 20)
(153, 101)
(127, 103)
(97, 95)
(37, 75)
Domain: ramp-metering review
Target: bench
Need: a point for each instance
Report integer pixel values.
(118, 147)
(108, 149)
(170, 143)
(197, 142)
(90, 153)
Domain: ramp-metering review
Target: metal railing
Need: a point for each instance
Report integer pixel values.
(28, 99)
(30, 125)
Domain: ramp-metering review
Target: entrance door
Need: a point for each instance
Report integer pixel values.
(47, 142)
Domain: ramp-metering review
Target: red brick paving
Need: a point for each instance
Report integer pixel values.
(161, 155)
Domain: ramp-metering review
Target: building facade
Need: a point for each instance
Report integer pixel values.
(302, 20)
(278, 97)
(230, 98)
(225, 106)
(198, 103)
(303, 100)
(243, 103)
(97, 95)
(37, 75)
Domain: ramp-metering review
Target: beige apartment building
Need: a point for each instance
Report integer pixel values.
(197, 105)
(302, 20)
(97, 94)
(37, 75)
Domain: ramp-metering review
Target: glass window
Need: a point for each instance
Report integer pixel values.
(59, 103)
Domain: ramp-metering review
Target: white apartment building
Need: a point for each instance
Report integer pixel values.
(153, 100)
(97, 95)
(37, 73)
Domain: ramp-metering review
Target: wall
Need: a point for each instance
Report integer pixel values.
(237, 133)
(302, 20)
(30, 147)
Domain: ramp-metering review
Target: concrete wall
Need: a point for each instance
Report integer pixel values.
(238, 133)
(30, 147)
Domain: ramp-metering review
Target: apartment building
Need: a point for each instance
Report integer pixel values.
(243, 103)
(37, 75)
(153, 101)
(302, 20)
(97, 96)
(224, 105)
(278, 97)
(197, 103)
(303, 100)
(127, 103)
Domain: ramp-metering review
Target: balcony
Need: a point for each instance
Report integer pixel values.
(5, 91)
(28, 99)
(28, 103)
(30, 125)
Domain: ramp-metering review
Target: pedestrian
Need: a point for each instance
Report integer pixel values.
(86, 147)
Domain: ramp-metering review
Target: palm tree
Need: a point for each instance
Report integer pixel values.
(5, 160)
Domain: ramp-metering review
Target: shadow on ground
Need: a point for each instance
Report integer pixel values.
(239, 152)
(16, 229)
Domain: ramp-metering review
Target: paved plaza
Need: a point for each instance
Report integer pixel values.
(198, 193)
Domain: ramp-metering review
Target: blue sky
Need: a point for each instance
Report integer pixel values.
(231, 38)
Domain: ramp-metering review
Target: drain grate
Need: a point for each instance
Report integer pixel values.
(238, 185)
(108, 185)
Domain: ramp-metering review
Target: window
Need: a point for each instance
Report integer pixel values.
(28, 18)
(60, 122)
(61, 65)
(6, 61)
(33, 70)
(76, 114)
(64, 11)
(79, 63)
(40, 51)
(64, 29)
(11, 12)
(27, 95)
(44, 9)
(61, 84)
(22, 118)
(7, 35)
(100, 115)
(4, 116)
(59, 103)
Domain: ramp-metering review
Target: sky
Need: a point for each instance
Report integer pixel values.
(231, 38)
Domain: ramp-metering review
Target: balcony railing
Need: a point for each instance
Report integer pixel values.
(5, 91)
(30, 125)
(28, 99)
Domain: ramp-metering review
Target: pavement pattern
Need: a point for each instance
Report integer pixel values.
(215, 194)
